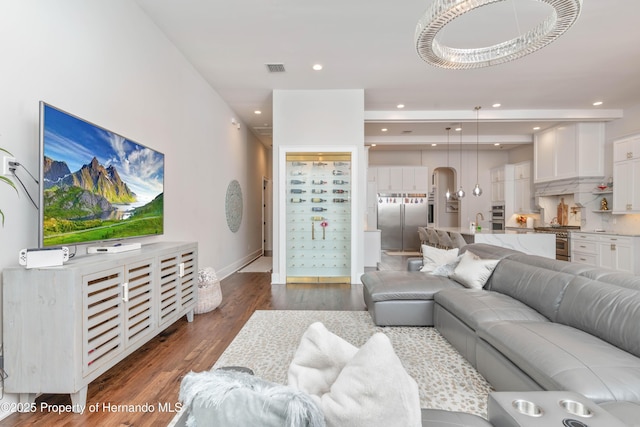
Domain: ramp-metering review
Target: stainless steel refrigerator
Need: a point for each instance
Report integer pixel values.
(399, 216)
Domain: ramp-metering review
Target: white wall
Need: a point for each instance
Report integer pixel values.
(108, 63)
(331, 120)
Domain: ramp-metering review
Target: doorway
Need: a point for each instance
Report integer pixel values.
(267, 217)
(446, 212)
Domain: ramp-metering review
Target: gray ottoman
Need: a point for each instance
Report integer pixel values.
(402, 298)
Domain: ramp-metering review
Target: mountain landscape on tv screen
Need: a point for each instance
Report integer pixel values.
(94, 203)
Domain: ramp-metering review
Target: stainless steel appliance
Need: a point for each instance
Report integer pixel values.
(563, 240)
(399, 216)
(497, 217)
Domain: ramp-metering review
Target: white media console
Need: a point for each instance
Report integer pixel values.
(65, 326)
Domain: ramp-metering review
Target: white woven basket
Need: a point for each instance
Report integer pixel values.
(209, 292)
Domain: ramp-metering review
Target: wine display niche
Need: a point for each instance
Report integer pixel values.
(318, 217)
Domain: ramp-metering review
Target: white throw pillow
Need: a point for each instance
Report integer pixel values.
(433, 257)
(473, 271)
(319, 359)
(373, 390)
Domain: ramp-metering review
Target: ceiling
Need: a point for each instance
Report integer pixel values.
(369, 44)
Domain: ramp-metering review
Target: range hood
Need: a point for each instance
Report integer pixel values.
(580, 188)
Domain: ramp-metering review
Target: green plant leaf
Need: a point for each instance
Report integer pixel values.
(8, 181)
(2, 215)
(2, 149)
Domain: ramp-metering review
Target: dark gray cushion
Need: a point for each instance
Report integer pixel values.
(559, 357)
(475, 306)
(404, 285)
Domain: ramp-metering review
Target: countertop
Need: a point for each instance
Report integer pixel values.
(606, 233)
(486, 231)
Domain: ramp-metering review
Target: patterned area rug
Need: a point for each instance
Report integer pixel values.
(446, 380)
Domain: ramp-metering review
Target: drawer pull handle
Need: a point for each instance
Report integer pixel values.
(583, 259)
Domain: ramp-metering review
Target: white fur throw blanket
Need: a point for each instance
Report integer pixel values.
(225, 398)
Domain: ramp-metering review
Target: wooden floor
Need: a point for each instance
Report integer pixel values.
(152, 374)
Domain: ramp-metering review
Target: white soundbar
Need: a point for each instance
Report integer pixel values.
(113, 249)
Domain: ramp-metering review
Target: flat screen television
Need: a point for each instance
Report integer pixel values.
(95, 185)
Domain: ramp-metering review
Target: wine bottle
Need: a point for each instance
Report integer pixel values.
(297, 181)
(298, 164)
(337, 172)
(340, 163)
(315, 209)
(318, 200)
(319, 164)
(340, 182)
(317, 218)
(298, 191)
(297, 173)
(318, 191)
(337, 191)
(297, 200)
(340, 200)
(318, 182)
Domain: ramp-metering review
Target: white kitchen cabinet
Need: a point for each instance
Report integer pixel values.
(402, 179)
(497, 184)
(421, 180)
(569, 151)
(611, 251)
(523, 202)
(389, 179)
(65, 326)
(626, 175)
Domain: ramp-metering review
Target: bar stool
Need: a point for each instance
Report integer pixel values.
(458, 240)
(424, 237)
(433, 237)
(444, 240)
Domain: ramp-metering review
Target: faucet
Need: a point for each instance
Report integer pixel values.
(479, 214)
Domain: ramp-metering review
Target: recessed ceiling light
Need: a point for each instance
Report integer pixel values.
(434, 145)
(373, 145)
(496, 105)
(536, 128)
(400, 105)
(597, 103)
(458, 129)
(257, 112)
(317, 67)
(497, 144)
(384, 129)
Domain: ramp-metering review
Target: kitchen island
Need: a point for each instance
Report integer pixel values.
(529, 242)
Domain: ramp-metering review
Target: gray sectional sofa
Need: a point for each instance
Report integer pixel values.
(538, 324)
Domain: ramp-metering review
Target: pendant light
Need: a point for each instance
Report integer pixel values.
(460, 193)
(477, 191)
(447, 195)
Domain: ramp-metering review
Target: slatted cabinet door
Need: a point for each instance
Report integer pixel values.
(169, 289)
(140, 318)
(188, 280)
(103, 332)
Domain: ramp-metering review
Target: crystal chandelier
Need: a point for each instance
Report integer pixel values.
(564, 15)
(477, 191)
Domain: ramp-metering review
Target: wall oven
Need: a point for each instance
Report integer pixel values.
(497, 217)
(431, 205)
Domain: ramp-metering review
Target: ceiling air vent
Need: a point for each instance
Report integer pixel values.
(275, 68)
(407, 131)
